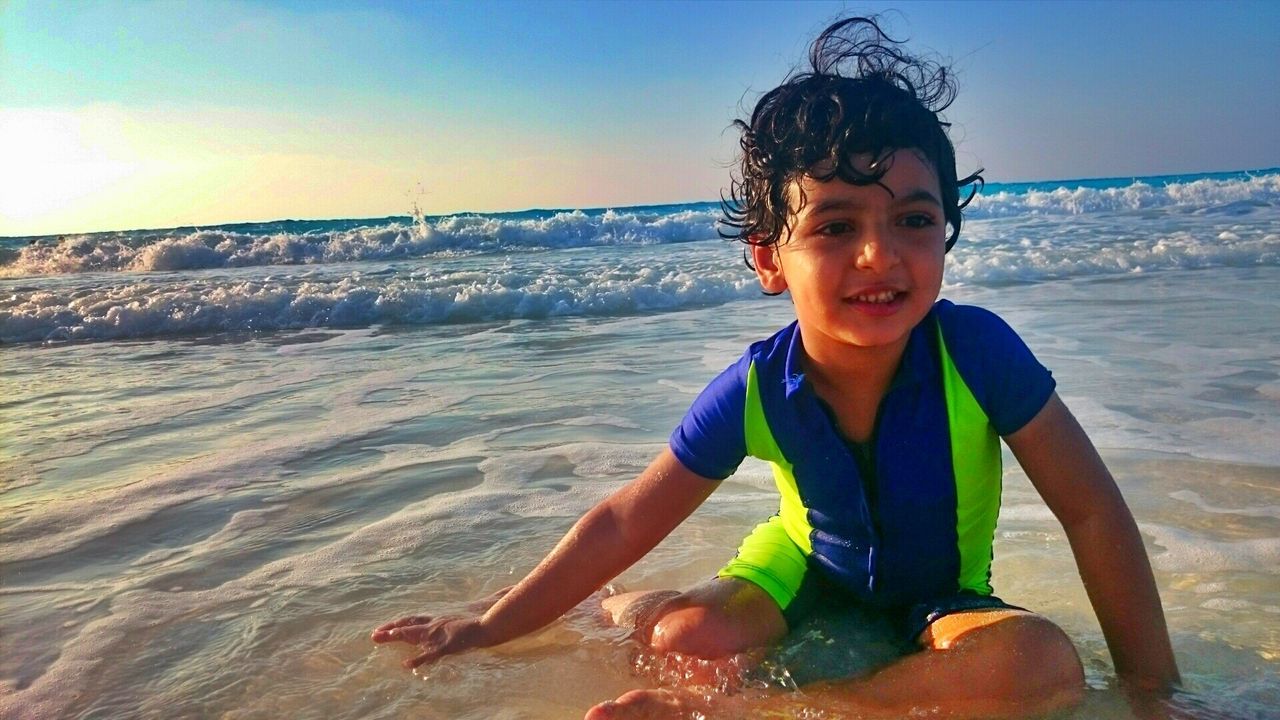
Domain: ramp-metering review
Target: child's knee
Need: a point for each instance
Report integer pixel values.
(1045, 645)
(698, 631)
(717, 629)
(716, 619)
(1040, 657)
(1023, 652)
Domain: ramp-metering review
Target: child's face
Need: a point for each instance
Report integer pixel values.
(863, 262)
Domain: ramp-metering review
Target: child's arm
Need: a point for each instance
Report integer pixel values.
(607, 540)
(1067, 471)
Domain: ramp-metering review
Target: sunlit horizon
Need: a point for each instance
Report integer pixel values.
(118, 116)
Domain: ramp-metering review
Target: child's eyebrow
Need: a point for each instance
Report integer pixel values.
(842, 204)
(834, 205)
(918, 195)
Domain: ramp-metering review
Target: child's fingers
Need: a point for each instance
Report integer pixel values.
(407, 634)
(392, 630)
(426, 657)
(411, 620)
(435, 637)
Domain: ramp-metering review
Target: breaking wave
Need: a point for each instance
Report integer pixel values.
(235, 246)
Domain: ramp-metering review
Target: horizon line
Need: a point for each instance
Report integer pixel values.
(603, 208)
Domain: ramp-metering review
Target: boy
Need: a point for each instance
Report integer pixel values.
(879, 409)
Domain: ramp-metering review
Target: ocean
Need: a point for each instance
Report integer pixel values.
(229, 452)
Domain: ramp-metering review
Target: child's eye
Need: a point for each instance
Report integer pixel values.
(919, 220)
(836, 228)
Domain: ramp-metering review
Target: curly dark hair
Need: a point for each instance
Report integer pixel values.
(861, 94)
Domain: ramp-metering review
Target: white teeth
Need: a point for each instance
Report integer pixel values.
(880, 297)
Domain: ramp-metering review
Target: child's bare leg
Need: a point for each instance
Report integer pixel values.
(716, 619)
(993, 663)
(984, 663)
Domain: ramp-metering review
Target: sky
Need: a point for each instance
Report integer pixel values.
(125, 115)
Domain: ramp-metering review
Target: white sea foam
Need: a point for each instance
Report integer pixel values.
(1229, 196)
(233, 246)
(477, 268)
(142, 307)
(214, 248)
(1069, 250)
(1194, 498)
(1187, 551)
(482, 289)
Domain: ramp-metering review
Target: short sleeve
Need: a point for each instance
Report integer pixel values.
(1006, 378)
(710, 440)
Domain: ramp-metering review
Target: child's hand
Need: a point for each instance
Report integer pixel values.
(436, 637)
(660, 704)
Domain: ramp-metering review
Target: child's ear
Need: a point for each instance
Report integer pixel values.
(769, 268)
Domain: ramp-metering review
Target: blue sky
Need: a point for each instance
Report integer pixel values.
(140, 114)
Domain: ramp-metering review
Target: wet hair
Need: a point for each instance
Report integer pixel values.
(862, 94)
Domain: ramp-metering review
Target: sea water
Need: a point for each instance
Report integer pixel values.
(230, 452)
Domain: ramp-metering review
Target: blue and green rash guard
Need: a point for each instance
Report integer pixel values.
(922, 527)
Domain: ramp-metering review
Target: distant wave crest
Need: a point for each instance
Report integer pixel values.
(153, 251)
(478, 268)
(1205, 195)
(184, 307)
(459, 234)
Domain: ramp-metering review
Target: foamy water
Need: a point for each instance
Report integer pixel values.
(209, 505)
(474, 268)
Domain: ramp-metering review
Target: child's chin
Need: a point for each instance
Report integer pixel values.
(871, 340)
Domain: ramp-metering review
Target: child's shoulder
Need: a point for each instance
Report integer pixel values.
(777, 344)
(971, 325)
(965, 316)
(771, 356)
(997, 366)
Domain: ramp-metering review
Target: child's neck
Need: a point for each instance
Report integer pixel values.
(852, 381)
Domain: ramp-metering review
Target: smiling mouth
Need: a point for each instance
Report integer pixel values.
(877, 298)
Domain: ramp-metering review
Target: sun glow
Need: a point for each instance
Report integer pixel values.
(104, 167)
(57, 165)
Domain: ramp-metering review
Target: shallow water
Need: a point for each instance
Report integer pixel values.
(210, 526)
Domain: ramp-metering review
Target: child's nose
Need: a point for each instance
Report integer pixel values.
(877, 251)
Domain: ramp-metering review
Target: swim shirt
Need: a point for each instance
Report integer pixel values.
(891, 538)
